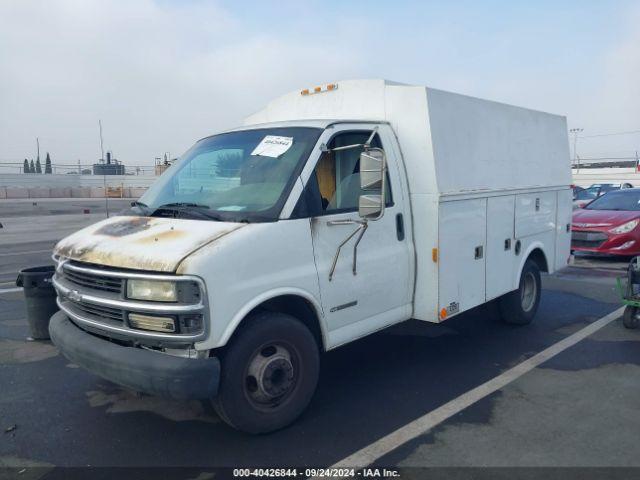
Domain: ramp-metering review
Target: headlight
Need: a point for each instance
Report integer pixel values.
(154, 290)
(626, 227)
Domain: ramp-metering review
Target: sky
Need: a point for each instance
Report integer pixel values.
(162, 74)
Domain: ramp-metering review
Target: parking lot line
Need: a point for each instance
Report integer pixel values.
(369, 454)
(10, 290)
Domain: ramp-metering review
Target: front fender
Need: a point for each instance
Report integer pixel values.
(241, 314)
(536, 244)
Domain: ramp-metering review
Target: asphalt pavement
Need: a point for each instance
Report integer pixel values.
(31, 228)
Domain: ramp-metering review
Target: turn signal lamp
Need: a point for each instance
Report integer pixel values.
(151, 322)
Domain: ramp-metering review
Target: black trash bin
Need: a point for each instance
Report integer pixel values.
(40, 298)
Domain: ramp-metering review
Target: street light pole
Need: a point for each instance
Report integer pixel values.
(575, 132)
(104, 172)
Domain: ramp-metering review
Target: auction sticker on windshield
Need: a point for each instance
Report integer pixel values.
(273, 146)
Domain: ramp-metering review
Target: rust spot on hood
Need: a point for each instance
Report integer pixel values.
(72, 251)
(142, 243)
(127, 226)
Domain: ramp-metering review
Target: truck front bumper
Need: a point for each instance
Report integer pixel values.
(142, 370)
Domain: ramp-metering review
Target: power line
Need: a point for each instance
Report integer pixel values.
(610, 134)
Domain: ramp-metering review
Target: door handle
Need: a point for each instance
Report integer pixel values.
(507, 244)
(479, 252)
(399, 227)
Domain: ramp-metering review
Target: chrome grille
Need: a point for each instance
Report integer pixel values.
(99, 312)
(92, 281)
(581, 239)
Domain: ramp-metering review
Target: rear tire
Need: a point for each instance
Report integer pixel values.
(630, 317)
(520, 306)
(269, 373)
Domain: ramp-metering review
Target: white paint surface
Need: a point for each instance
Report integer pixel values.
(501, 258)
(462, 227)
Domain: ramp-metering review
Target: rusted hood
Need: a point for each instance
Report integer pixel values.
(142, 243)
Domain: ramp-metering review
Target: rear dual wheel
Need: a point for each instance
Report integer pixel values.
(520, 306)
(269, 373)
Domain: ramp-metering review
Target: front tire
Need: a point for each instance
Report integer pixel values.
(269, 373)
(520, 306)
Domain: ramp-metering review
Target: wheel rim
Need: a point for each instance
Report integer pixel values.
(271, 375)
(529, 292)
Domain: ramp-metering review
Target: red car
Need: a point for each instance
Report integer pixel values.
(609, 224)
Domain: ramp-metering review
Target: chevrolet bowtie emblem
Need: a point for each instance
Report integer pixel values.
(74, 295)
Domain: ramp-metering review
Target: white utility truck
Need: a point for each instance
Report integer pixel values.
(334, 212)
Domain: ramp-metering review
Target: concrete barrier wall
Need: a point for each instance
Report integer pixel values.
(80, 192)
(136, 192)
(71, 186)
(42, 180)
(17, 192)
(60, 192)
(96, 192)
(39, 192)
(586, 177)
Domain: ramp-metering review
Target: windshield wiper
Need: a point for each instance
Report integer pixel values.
(188, 208)
(142, 206)
(254, 218)
(182, 204)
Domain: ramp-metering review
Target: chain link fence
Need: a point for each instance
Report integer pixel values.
(79, 169)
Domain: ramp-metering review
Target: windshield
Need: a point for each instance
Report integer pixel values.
(628, 200)
(587, 194)
(236, 176)
(607, 187)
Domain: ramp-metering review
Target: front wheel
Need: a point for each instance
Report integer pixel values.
(269, 373)
(520, 306)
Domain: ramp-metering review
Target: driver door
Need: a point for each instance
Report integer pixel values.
(379, 292)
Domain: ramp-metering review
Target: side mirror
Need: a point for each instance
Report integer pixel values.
(373, 165)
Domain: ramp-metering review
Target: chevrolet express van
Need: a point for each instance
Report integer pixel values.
(332, 213)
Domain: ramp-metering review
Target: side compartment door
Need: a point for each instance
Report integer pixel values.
(462, 253)
(501, 260)
(563, 228)
(535, 213)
